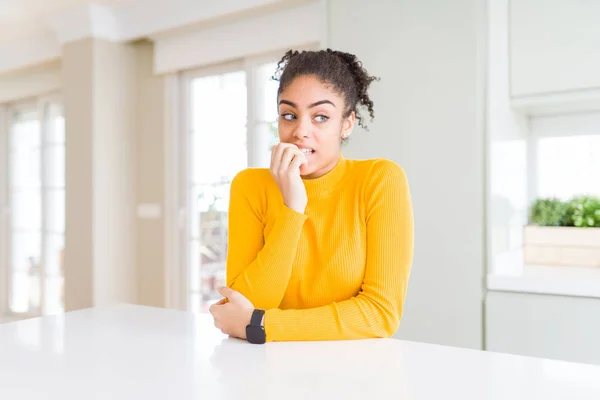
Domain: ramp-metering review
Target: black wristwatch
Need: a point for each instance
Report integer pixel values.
(255, 332)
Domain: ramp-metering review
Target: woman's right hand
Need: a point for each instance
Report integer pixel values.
(286, 160)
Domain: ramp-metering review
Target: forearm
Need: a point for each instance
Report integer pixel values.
(360, 317)
(264, 280)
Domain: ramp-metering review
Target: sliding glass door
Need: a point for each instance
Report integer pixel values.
(230, 125)
(34, 222)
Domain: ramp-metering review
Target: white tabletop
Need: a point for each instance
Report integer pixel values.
(132, 352)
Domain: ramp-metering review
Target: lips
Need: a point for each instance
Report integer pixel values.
(307, 151)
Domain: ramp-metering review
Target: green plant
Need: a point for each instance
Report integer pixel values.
(548, 212)
(583, 211)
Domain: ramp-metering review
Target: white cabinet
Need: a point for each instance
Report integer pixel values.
(556, 327)
(554, 46)
(554, 55)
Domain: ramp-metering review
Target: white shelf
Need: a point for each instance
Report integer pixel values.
(511, 275)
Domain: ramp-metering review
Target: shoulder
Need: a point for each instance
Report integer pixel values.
(250, 177)
(378, 170)
(384, 184)
(252, 182)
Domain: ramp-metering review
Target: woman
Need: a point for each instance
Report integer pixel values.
(320, 247)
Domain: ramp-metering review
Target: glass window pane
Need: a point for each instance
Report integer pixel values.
(268, 114)
(219, 127)
(56, 126)
(269, 92)
(55, 210)
(194, 254)
(54, 167)
(25, 293)
(195, 305)
(26, 209)
(54, 255)
(26, 251)
(218, 153)
(569, 166)
(25, 168)
(54, 289)
(195, 203)
(37, 208)
(25, 130)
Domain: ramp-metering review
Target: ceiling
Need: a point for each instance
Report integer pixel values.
(24, 18)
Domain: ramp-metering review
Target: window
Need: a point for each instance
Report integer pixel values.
(35, 205)
(566, 155)
(551, 156)
(569, 166)
(231, 124)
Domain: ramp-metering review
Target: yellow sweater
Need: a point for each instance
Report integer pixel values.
(338, 271)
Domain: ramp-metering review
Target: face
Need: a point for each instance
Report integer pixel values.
(311, 117)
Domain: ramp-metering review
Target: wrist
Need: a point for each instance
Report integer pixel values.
(298, 208)
(255, 331)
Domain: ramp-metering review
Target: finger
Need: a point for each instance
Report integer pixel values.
(221, 302)
(276, 157)
(228, 293)
(231, 294)
(297, 162)
(273, 153)
(225, 291)
(287, 157)
(279, 149)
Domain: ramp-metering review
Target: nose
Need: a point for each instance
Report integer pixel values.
(303, 129)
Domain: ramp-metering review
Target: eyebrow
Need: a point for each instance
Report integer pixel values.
(318, 103)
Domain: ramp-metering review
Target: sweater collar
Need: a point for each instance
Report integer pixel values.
(328, 182)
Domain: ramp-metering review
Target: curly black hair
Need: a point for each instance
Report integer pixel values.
(342, 70)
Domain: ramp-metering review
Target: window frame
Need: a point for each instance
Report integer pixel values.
(41, 106)
(185, 159)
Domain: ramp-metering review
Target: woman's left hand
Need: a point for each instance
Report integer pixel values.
(232, 314)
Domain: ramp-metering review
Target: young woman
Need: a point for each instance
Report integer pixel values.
(320, 246)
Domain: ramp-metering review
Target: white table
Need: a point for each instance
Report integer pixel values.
(132, 352)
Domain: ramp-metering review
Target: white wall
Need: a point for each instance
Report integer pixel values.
(99, 96)
(30, 82)
(428, 119)
(554, 46)
(254, 35)
(558, 327)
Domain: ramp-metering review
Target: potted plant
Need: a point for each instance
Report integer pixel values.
(563, 232)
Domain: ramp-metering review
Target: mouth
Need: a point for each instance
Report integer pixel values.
(307, 151)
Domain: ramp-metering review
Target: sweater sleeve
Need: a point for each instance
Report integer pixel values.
(259, 270)
(377, 309)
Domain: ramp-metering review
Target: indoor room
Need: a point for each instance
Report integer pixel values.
(155, 240)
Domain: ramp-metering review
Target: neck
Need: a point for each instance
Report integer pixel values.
(322, 171)
(328, 178)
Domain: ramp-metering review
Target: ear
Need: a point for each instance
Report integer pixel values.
(348, 125)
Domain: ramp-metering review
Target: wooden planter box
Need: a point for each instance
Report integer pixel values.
(570, 246)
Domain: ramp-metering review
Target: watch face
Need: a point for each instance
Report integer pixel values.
(255, 334)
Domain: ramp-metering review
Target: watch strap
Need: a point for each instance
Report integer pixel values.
(257, 316)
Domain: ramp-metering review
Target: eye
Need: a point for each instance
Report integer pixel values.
(321, 118)
(288, 117)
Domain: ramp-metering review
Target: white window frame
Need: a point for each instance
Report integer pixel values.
(40, 104)
(4, 222)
